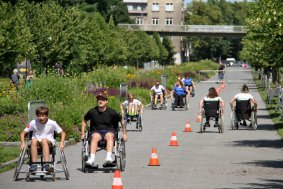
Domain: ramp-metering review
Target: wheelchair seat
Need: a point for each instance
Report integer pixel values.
(211, 108)
(243, 109)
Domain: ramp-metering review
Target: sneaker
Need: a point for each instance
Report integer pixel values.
(108, 160)
(206, 124)
(90, 162)
(33, 168)
(49, 168)
(216, 124)
(244, 123)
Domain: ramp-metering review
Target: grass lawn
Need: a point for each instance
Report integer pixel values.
(7, 154)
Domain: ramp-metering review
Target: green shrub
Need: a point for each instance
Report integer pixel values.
(10, 128)
(10, 105)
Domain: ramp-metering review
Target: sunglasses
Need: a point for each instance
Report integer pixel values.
(101, 99)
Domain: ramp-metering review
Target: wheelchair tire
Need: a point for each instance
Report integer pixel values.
(253, 121)
(234, 122)
(202, 127)
(64, 165)
(121, 158)
(221, 125)
(84, 157)
(20, 163)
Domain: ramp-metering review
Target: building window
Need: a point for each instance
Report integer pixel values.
(155, 21)
(139, 20)
(130, 7)
(155, 6)
(169, 7)
(169, 21)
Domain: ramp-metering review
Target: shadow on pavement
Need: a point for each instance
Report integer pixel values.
(259, 143)
(269, 163)
(268, 183)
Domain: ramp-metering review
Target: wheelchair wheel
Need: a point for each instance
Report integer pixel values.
(64, 165)
(234, 122)
(139, 123)
(20, 163)
(121, 158)
(173, 106)
(84, 155)
(221, 125)
(253, 121)
(202, 122)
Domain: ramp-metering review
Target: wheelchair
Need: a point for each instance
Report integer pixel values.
(137, 119)
(119, 152)
(213, 110)
(242, 112)
(24, 162)
(162, 106)
(174, 105)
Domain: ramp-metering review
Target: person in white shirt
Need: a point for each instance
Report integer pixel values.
(42, 136)
(244, 96)
(158, 90)
(131, 106)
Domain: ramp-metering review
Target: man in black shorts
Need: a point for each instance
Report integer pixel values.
(103, 125)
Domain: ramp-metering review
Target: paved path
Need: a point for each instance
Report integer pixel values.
(239, 159)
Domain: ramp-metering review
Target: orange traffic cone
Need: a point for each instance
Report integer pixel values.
(117, 182)
(223, 85)
(188, 127)
(153, 158)
(173, 141)
(199, 118)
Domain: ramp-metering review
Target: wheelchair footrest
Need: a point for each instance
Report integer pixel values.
(92, 166)
(112, 164)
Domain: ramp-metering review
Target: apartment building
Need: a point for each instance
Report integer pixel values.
(160, 13)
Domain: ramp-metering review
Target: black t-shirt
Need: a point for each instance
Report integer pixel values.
(107, 120)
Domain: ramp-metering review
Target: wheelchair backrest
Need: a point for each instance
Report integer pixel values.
(211, 108)
(243, 106)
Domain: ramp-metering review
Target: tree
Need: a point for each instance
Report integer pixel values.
(263, 44)
(167, 43)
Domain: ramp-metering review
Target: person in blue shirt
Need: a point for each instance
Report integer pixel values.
(179, 92)
(188, 83)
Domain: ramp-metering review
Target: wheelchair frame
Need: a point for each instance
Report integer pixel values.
(220, 118)
(235, 121)
(133, 118)
(24, 160)
(119, 152)
(185, 100)
(24, 163)
(158, 101)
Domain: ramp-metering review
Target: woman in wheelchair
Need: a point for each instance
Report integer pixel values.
(245, 104)
(204, 104)
(103, 126)
(179, 92)
(42, 130)
(158, 91)
(131, 108)
(188, 83)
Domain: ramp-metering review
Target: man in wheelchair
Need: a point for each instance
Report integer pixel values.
(245, 105)
(179, 93)
(42, 130)
(210, 106)
(103, 126)
(158, 91)
(131, 108)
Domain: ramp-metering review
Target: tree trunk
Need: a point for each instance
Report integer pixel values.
(275, 75)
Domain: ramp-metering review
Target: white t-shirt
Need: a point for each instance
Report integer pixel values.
(158, 90)
(46, 130)
(243, 96)
(135, 102)
(218, 98)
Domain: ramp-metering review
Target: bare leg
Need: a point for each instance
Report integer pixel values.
(34, 145)
(45, 143)
(95, 138)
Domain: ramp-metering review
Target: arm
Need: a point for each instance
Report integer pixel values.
(141, 108)
(122, 109)
(200, 106)
(83, 129)
(222, 105)
(22, 136)
(231, 103)
(255, 103)
(125, 135)
(63, 137)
